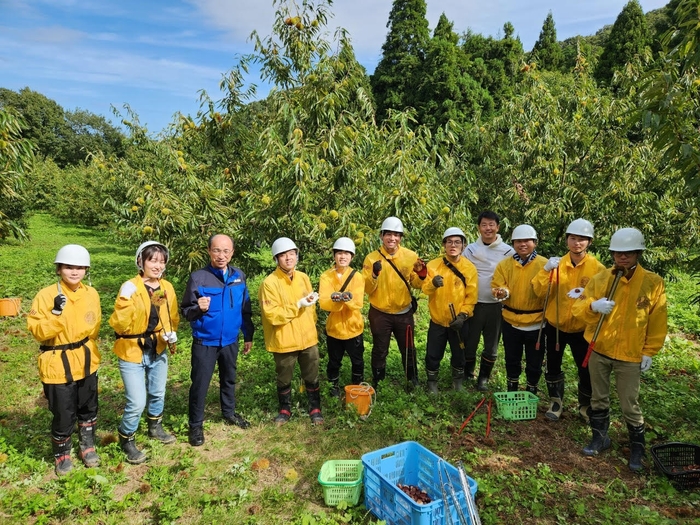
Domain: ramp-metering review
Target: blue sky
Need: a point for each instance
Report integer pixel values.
(156, 55)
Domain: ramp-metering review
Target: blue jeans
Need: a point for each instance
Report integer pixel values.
(144, 385)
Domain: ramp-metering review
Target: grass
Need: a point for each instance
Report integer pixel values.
(528, 472)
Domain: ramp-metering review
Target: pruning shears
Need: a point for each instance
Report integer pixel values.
(488, 416)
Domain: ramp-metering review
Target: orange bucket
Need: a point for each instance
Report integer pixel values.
(9, 307)
(361, 397)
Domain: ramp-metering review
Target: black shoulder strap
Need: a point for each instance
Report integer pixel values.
(397, 271)
(347, 281)
(455, 271)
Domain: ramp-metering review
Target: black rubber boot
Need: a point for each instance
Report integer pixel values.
(457, 379)
(86, 431)
(61, 453)
(432, 381)
(600, 422)
(555, 388)
(469, 367)
(584, 404)
(637, 447)
(378, 374)
(485, 368)
(357, 378)
(513, 385)
(155, 430)
(335, 386)
(195, 436)
(284, 396)
(313, 392)
(128, 445)
(531, 388)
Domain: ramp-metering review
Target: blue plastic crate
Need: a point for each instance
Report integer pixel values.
(410, 463)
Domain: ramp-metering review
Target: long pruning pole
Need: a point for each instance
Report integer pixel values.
(556, 347)
(171, 346)
(544, 311)
(453, 493)
(618, 275)
(448, 514)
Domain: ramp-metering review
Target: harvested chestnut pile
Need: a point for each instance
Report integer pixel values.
(686, 468)
(419, 496)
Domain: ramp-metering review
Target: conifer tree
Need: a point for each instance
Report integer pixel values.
(446, 90)
(628, 38)
(547, 51)
(403, 54)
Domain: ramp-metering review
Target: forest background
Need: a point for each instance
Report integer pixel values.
(603, 127)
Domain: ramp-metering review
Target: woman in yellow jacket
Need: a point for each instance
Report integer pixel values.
(145, 320)
(633, 331)
(573, 271)
(287, 304)
(522, 309)
(452, 289)
(341, 292)
(65, 319)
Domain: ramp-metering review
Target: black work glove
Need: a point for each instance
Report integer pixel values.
(59, 303)
(376, 268)
(336, 297)
(347, 296)
(458, 321)
(438, 281)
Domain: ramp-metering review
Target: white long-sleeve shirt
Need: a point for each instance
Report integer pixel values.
(486, 257)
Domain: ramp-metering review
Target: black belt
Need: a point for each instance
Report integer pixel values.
(141, 338)
(64, 357)
(521, 312)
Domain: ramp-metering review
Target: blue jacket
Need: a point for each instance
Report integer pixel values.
(229, 311)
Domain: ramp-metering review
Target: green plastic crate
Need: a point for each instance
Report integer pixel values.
(341, 480)
(517, 406)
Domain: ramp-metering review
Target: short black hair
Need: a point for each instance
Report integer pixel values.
(488, 214)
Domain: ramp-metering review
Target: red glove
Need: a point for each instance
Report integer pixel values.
(420, 268)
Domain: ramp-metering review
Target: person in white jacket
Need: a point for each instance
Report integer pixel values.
(488, 250)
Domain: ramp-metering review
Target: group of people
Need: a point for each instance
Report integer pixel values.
(480, 289)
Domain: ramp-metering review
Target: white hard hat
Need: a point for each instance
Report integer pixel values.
(451, 232)
(281, 245)
(627, 240)
(73, 254)
(392, 224)
(145, 245)
(524, 231)
(345, 244)
(580, 227)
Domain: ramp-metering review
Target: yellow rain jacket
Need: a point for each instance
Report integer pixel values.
(130, 317)
(454, 292)
(523, 308)
(287, 328)
(388, 293)
(572, 279)
(77, 328)
(345, 319)
(637, 324)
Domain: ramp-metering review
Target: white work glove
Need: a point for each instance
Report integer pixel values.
(646, 363)
(308, 300)
(127, 290)
(602, 306)
(551, 264)
(169, 337)
(575, 293)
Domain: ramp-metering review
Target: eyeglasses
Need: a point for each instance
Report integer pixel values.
(453, 243)
(219, 251)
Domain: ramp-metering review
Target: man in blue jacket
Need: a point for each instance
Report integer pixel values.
(217, 305)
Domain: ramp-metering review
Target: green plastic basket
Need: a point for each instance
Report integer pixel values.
(341, 480)
(517, 406)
